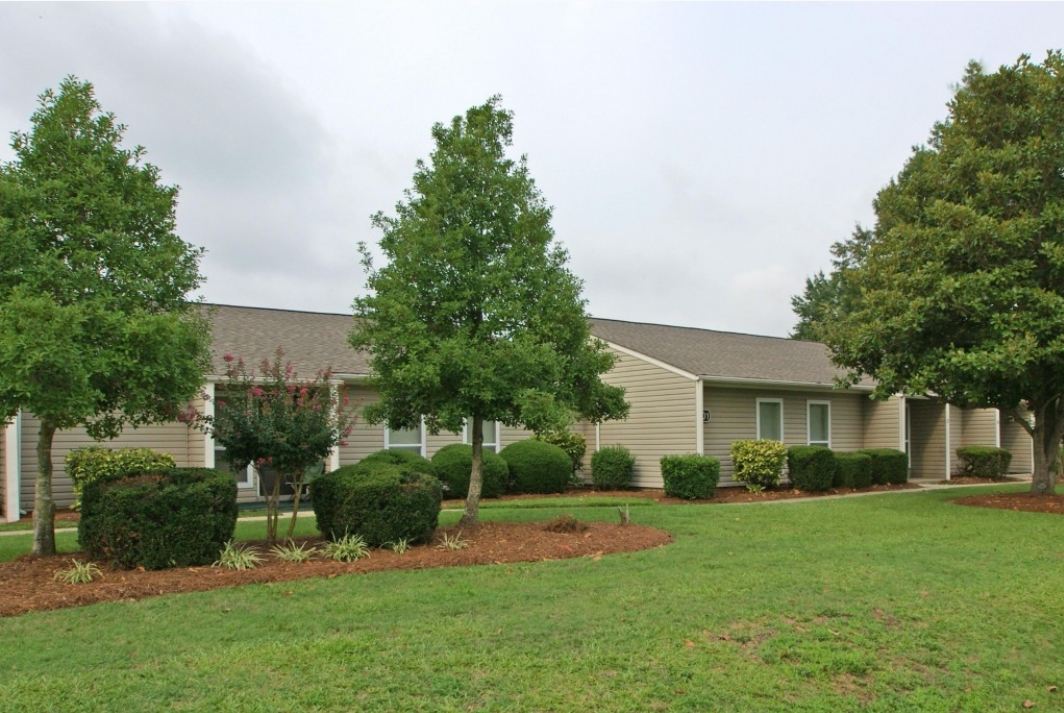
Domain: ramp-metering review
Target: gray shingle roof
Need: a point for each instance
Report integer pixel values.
(724, 355)
(311, 340)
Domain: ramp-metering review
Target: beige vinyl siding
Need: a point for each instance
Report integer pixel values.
(1016, 440)
(927, 428)
(3, 470)
(365, 437)
(508, 435)
(196, 441)
(661, 420)
(734, 418)
(172, 438)
(443, 438)
(979, 427)
(882, 427)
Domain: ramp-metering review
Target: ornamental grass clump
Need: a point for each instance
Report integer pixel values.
(811, 468)
(690, 476)
(758, 464)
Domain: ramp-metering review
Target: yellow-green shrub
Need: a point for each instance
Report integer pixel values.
(88, 464)
(759, 463)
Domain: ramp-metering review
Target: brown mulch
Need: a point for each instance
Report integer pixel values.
(1025, 502)
(27, 584)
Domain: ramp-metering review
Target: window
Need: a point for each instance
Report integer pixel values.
(819, 413)
(770, 419)
(491, 435)
(405, 439)
(245, 477)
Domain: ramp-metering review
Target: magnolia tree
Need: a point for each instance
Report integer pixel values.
(276, 420)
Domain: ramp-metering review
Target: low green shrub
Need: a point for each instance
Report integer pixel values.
(377, 501)
(853, 470)
(985, 461)
(454, 465)
(612, 468)
(811, 468)
(758, 464)
(537, 467)
(574, 445)
(889, 465)
(691, 476)
(408, 459)
(175, 517)
(93, 462)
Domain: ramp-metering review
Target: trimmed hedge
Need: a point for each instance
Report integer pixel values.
(173, 517)
(853, 470)
(454, 466)
(380, 501)
(690, 476)
(889, 465)
(612, 468)
(985, 461)
(94, 462)
(413, 462)
(758, 463)
(537, 467)
(811, 468)
(574, 445)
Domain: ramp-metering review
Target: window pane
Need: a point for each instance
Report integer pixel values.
(819, 424)
(404, 437)
(770, 420)
(489, 433)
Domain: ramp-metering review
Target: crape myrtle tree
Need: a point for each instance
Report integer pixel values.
(475, 316)
(95, 328)
(274, 419)
(961, 290)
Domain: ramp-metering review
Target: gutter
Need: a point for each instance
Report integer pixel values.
(779, 383)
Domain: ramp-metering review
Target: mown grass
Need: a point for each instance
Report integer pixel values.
(900, 602)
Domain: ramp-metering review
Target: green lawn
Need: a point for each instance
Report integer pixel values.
(899, 602)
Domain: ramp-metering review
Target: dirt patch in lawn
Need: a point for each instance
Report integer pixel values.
(1026, 502)
(27, 584)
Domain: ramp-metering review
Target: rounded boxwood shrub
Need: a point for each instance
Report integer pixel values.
(174, 517)
(574, 445)
(758, 463)
(408, 459)
(93, 462)
(454, 465)
(985, 461)
(612, 468)
(889, 465)
(380, 501)
(812, 468)
(853, 470)
(537, 467)
(691, 477)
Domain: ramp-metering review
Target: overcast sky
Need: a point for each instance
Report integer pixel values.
(700, 158)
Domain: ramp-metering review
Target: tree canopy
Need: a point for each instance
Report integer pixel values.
(95, 329)
(960, 292)
(475, 316)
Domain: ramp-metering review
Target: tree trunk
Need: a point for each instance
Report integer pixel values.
(476, 477)
(298, 484)
(273, 498)
(43, 504)
(1046, 433)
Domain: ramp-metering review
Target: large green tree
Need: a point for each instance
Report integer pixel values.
(961, 290)
(95, 329)
(826, 297)
(475, 315)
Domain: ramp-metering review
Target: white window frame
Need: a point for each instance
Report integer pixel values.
(757, 416)
(468, 440)
(405, 446)
(809, 423)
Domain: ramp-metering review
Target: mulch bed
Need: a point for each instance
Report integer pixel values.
(27, 584)
(1025, 502)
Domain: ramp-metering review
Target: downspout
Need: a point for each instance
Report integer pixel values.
(13, 468)
(700, 425)
(997, 428)
(598, 438)
(949, 459)
(208, 439)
